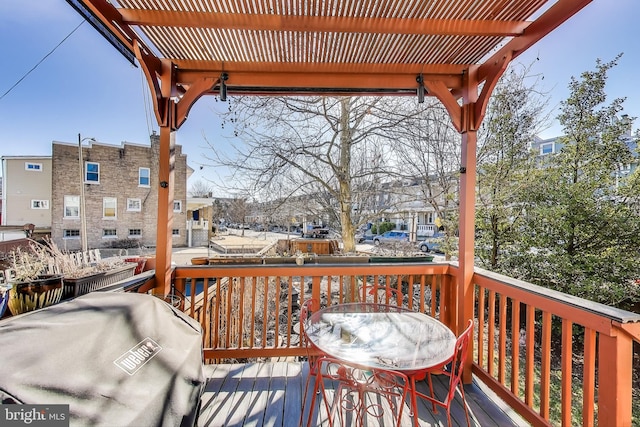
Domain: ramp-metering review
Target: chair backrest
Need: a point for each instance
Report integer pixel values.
(459, 356)
(305, 313)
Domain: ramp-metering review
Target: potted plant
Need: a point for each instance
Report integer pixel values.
(4, 297)
(31, 285)
(81, 275)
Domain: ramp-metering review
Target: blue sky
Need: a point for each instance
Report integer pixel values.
(85, 86)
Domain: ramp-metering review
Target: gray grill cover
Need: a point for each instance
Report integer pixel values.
(118, 359)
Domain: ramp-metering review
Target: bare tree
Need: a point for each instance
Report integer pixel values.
(429, 153)
(329, 150)
(238, 210)
(200, 188)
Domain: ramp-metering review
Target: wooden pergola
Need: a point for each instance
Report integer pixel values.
(455, 50)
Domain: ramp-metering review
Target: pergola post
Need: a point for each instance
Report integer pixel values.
(164, 229)
(466, 255)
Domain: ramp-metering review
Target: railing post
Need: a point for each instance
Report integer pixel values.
(315, 290)
(615, 370)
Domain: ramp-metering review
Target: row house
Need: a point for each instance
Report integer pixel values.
(26, 191)
(409, 203)
(116, 191)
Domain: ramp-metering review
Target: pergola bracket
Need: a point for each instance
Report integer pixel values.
(193, 93)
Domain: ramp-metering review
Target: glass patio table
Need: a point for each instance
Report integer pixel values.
(382, 336)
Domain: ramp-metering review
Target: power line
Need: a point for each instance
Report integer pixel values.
(146, 101)
(41, 61)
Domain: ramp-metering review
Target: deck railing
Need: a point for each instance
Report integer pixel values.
(253, 311)
(532, 346)
(539, 346)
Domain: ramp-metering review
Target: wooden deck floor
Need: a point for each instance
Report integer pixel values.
(270, 394)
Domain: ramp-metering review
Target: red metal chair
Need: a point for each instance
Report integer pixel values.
(305, 312)
(452, 369)
(355, 395)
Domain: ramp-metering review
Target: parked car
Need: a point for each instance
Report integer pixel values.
(315, 232)
(391, 236)
(430, 245)
(434, 244)
(362, 237)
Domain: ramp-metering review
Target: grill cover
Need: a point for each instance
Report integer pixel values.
(117, 359)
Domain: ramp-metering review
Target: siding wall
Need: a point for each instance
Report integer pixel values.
(21, 186)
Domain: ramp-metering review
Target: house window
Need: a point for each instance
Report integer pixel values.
(135, 232)
(176, 232)
(134, 205)
(72, 206)
(92, 173)
(546, 149)
(109, 207)
(177, 206)
(71, 233)
(109, 232)
(33, 167)
(144, 175)
(39, 204)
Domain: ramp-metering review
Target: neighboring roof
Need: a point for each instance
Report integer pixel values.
(26, 157)
(325, 47)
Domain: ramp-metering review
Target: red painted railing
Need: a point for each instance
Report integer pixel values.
(532, 346)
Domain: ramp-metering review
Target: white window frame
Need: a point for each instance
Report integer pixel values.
(67, 230)
(178, 204)
(86, 173)
(109, 236)
(39, 204)
(131, 208)
(33, 167)
(134, 236)
(547, 144)
(175, 232)
(141, 176)
(66, 203)
(106, 200)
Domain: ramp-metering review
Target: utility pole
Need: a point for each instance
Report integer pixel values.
(83, 216)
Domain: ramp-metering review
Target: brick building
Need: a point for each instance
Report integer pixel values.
(120, 194)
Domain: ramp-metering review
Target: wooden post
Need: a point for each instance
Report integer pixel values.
(467, 214)
(614, 380)
(166, 185)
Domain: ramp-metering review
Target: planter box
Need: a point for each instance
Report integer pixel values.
(235, 260)
(384, 259)
(76, 287)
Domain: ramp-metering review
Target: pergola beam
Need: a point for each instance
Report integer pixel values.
(317, 82)
(274, 22)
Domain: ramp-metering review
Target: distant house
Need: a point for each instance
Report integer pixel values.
(544, 147)
(26, 190)
(120, 194)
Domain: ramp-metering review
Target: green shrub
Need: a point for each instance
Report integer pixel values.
(382, 227)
